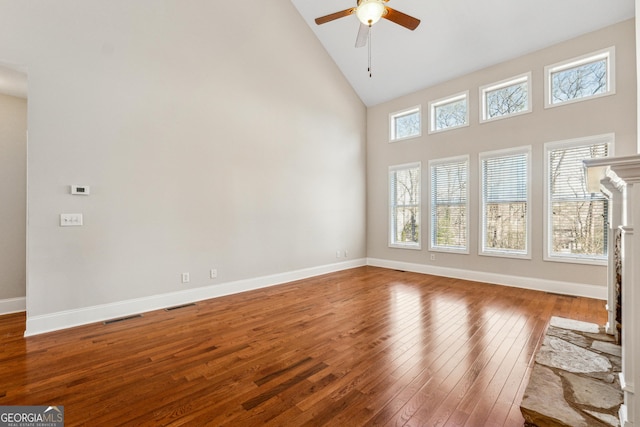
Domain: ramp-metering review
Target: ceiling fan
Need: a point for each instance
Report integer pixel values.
(369, 12)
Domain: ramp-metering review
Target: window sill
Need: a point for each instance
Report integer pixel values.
(416, 247)
(505, 254)
(600, 262)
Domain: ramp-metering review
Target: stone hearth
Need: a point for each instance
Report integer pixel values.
(574, 381)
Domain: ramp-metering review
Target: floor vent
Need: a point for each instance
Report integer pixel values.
(121, 319)
(561, 295)
(179, 306)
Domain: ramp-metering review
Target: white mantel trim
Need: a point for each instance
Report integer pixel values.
(623, 175)
(626, 170)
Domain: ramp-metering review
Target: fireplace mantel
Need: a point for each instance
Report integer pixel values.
(619, 179)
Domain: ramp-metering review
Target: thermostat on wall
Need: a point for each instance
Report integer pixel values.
(80, 189)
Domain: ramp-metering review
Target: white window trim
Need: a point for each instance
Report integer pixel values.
(608, 53)
(436, 162)
(392, 138)
(390, 224)
(444, 101)
(548, 147)
(525, 77)
(501, 252)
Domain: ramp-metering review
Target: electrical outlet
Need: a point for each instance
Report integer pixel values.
(338, 254)
(185, 277)
(346, 253)
(213, 273)
(433, 257)
(71, 220)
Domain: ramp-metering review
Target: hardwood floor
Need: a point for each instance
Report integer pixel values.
(367, 346)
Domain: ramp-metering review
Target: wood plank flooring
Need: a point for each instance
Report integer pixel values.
(366, 346)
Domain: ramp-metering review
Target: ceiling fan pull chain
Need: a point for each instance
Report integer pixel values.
(369, 48)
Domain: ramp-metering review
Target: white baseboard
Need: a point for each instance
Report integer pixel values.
(70, 318)
(13, 305)
(82, 316)
(555, 286)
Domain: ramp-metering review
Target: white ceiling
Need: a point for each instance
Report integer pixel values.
(13, 81)
(454, 38)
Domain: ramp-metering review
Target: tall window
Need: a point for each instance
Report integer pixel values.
(405, 124)
(576, 220)
(506, 98)
(505, 202)
(449, 204)
(580, 78)
(449, 113)
(404, 196)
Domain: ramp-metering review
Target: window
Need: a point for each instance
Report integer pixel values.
(449, 113)
(405, 124)
(506, 98)
(449, 204)
(404, 195)
(576, 220)
(505, 202)
(580, 78)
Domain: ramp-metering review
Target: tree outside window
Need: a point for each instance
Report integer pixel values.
(505, 202)
(577, 218)
(450, 112)
(579, 82)
(581, 78)
(405, 124)
(404, 183)
(449, 204)
(507, 98)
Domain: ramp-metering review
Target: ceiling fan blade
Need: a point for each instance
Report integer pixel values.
(401, 18)
(363, 35)
(333, 16)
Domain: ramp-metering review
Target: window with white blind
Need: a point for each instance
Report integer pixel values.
(405, 124)
(449, 204)
(576, 221)
(404, 198)
(505, 210)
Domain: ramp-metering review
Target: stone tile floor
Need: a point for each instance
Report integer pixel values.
(574, 381)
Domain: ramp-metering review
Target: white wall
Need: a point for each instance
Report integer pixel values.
(637, 36)
(212, 134)
(13, 186)
(610, 114)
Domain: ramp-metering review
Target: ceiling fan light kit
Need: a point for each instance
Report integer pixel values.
(370, 11)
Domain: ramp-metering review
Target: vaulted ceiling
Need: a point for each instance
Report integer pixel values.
(455, 37)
